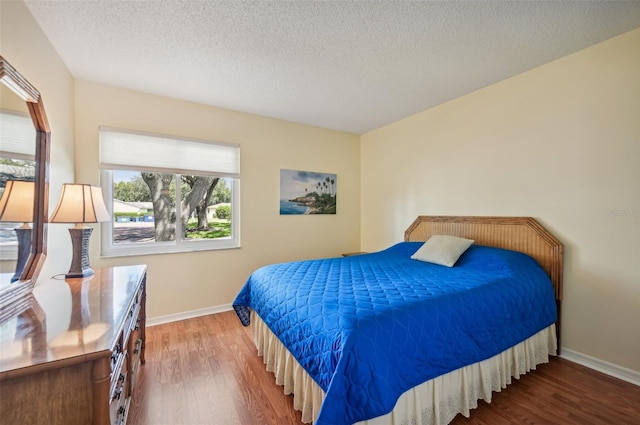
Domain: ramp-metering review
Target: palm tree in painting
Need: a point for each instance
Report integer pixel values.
(332, 186)
(327, 180)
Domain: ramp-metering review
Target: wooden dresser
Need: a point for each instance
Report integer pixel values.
(71, 353)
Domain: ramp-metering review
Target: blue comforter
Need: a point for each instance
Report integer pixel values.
(367, 328)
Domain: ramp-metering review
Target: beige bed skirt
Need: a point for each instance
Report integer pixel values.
(435, 402)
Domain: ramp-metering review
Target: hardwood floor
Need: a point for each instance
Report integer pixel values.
(205, 371)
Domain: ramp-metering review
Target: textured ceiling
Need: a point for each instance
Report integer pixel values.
(351, 66)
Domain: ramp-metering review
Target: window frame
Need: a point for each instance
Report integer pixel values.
(110, 249)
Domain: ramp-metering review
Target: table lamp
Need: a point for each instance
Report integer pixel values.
(79, 204)
(16, 206)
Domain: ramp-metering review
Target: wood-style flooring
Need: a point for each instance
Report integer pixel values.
(206, 371)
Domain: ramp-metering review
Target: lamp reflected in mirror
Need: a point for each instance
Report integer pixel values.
(16, 206)
(79, 204)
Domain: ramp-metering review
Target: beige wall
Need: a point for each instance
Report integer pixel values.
(190, 281)
(560, 143)
(25, 46)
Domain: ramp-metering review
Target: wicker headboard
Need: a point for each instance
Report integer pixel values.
(522, 234)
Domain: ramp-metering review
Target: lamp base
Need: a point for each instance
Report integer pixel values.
(80, 262)
(24, 250)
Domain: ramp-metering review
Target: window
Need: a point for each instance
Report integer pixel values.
(168, 194)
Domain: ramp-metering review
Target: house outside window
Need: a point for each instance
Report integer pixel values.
(168, 194)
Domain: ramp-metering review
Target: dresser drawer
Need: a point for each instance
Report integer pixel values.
(119, 394)
(117, 363)
(135, 350)
(132, 319)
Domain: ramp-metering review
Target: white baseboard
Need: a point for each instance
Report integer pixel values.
(159, 320)
(605, 367)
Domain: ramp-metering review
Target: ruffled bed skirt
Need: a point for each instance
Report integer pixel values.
(435, 402)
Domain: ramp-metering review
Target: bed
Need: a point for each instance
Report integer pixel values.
(383, 338)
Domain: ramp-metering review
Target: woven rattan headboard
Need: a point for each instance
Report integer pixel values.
(522, 234)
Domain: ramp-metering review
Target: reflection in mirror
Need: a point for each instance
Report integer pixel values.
(16, 206)
(24, 167)
(17, 175)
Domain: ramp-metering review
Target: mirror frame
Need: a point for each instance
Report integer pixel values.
(11, 78)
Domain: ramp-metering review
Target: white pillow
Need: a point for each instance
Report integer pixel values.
(442, 249)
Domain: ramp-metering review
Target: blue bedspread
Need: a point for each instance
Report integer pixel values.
(367, 328)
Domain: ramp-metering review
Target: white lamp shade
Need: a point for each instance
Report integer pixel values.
(16, 204)
(80, 203)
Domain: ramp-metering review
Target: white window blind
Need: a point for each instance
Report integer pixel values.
(18, 136)
(128, 150)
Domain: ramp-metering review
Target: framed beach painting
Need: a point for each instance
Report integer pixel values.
(307, 192)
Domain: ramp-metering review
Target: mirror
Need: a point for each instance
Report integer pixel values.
(17, 176)
(19, 98)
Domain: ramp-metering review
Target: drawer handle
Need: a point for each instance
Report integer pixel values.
(116, 353)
